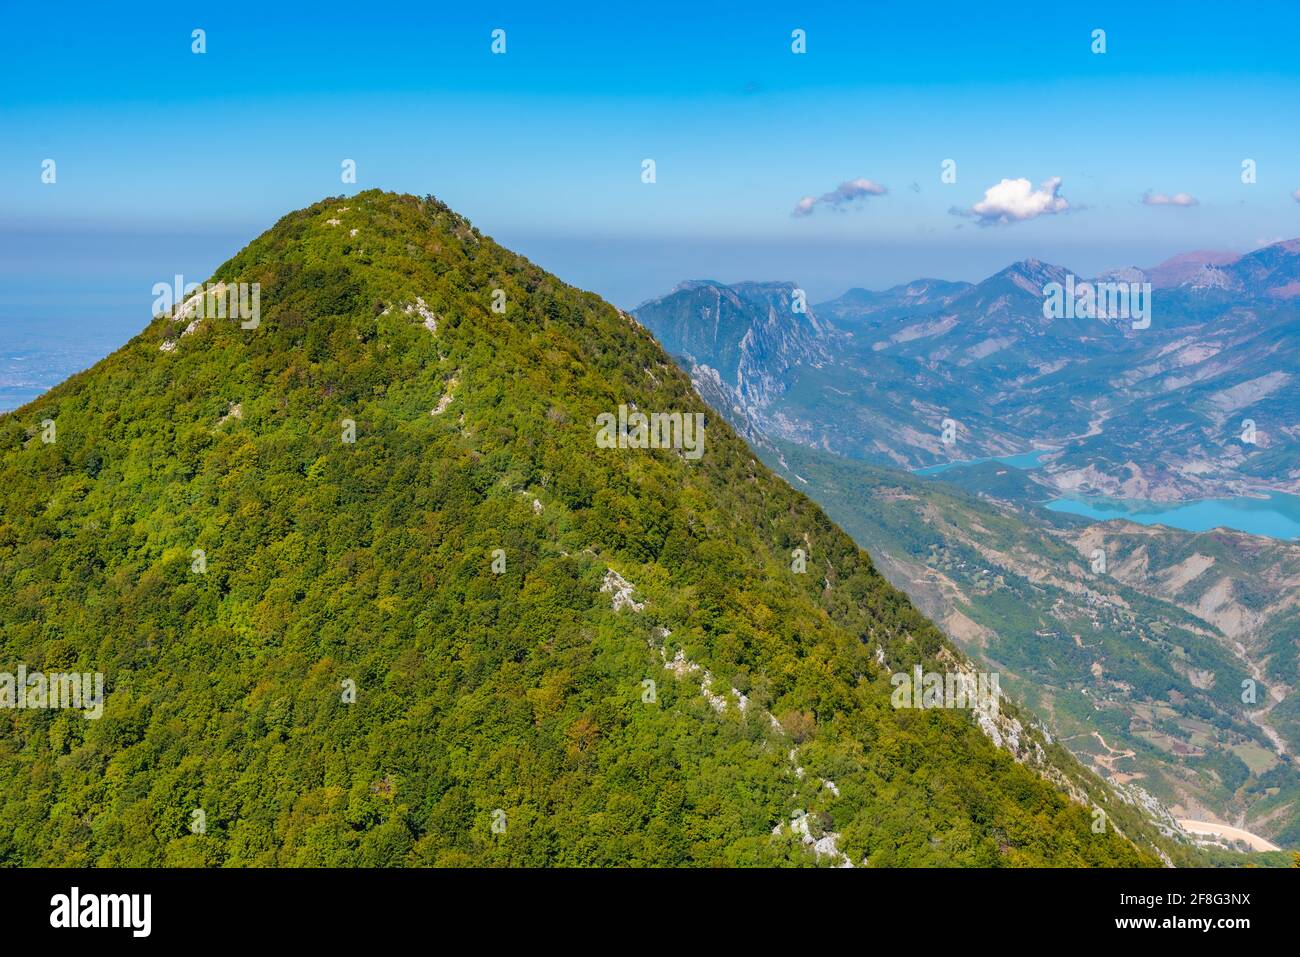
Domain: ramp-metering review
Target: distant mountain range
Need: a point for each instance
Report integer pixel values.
(1146, 413)
(1139, 668)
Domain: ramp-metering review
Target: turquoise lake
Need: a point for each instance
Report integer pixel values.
(1021, 460)
(1277, 516)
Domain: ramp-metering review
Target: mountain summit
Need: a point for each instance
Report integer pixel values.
(364, 587)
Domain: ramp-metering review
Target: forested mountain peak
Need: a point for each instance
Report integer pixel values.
(366, 586)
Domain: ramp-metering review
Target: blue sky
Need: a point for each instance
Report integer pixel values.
(168, 161)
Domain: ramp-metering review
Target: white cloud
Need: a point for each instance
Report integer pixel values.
(1296, 196)
(805, 206)
(841, 196)
(1160, 199)
(1016, 200)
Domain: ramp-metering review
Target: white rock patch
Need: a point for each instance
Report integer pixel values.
(421, 308)
(717, 701)
(621, 589)
(793, 757)
(445, 401)
(680, 665)
(825, 846)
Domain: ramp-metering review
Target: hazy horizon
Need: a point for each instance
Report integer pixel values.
(908, 145)
(75, 293)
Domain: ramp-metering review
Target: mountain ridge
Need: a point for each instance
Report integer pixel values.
(364, 591)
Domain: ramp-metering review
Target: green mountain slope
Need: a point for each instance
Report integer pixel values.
(501, 715)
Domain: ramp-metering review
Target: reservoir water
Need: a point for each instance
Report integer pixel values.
(1020, 460)
(1276, 516)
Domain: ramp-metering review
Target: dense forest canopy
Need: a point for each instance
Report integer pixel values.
(404, 649)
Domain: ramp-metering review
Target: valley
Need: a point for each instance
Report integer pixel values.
(1140, 669)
